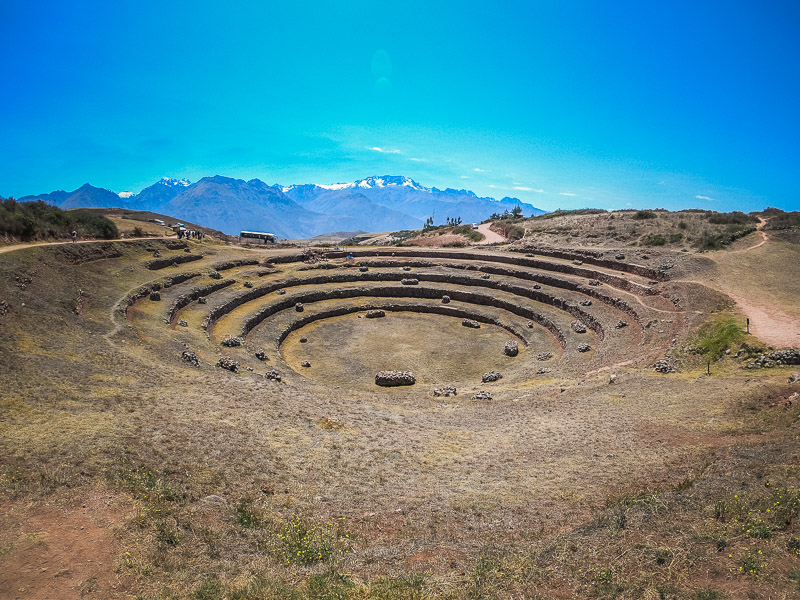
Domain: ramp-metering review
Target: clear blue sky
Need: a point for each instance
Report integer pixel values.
(562, 104)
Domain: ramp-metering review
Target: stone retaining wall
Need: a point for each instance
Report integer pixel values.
(598, 261)
(194, 294)
(232, 264)
(152, 286)
(162, 263)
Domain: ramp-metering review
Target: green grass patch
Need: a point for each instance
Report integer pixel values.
(717, 336)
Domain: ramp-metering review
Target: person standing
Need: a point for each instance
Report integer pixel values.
(74, 235)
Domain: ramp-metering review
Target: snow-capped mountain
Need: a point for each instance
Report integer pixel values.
(380, 203)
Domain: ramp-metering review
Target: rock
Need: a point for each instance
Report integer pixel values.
(186, 250)
(447, 390)
(183, 323)
(303, 340)
(190, 357)
(155, 296)
(156, 254)
(544, 356)
(280, 292)
(363, 269)
(232, 342)
(214, 499)
(486, 276)
(471, 323)
(228, 363)
(794, 377)
(583, 347)
(620, 324)
(215, 275)
(586, 302)
(299, 307)
(542, 371)
(394, 378)
(201, 300)
(305, 363)
(536, 286)
(375, 314)
(482, 395)
(491, 376)
(612, 378)
(664, 366)
(620, 257)
(577, 262)
(261, 355)
(511, 348)
(273, 375)
(409, 281)
(790, 356)
(445, 299)
(578, 327)
(529, 324)
(594, 283)
(248, 284)
(406, 268)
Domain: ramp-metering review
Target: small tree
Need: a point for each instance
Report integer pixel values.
(517, 212)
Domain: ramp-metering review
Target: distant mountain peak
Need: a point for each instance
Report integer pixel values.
(126, 194)
(389, 180)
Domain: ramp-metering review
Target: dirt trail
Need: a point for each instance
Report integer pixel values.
(490, 237)
(13, 247)
(764, 236)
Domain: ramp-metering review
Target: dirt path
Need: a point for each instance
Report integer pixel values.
(764, 235)
(13, 247)
(490, 237)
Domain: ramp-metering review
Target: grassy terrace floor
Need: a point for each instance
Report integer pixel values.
(127, 472)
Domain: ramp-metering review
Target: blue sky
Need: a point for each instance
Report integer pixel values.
(561, 104)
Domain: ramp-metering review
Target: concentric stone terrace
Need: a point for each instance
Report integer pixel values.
(537, 316)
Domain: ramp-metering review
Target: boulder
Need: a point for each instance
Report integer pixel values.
(586, 302)
(578, 327)
(280, 292)
(577, 262)
(584, 347)
(486, 276)
(511, 348)
(303, 340)
(445, 299)
(620, 257)
(273, 375)
(228, 363)
(232, 342)
(375, 314)
(155, 296)
(215, 275)
(261, 355)
(620, 324)
(530, 324)
(305, 363)
(491, 376)
(183, 323)
(594, 283)
(156, 254)
(536, 286)
(406, 268)
(409, 281)
(794, 377)
(482, 395)
(471, 323)
(248, 284)
(363, 269)
(447, 390)
(201, 300)
(544, 356)
(191, 358)
(394, 378)
(299, 307)
(664, 366)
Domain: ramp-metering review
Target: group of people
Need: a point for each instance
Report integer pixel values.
(191, 234)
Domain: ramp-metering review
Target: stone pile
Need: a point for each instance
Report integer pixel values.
(511, 348)
(228, 363)
(583, 347)
(183, 323)
(215, 275)
(544, 356)
(375, 314)
(394, 378)
(448, 390)
(232, 342)
(273, 375)
(586, 302)
(155, 296)
(481, 395)
(774, 359)
(578, 327)
(248, 284)
(471, 323)
(191, 358)
(620, 324)
(486, 276)
(664, 366)
(491, 376)
(261, 355)
(305, 363)
(201, 300)
(409, 281)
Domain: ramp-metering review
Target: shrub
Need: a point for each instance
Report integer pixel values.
(38, 220)
(655, 240)
(719, 335)
(733, 218)
(306, 543)
(468, 232)
(644, 214)
(784, 220)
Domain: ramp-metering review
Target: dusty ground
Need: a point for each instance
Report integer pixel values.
(197, 482)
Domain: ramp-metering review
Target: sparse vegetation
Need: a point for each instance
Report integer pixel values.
(28, 221)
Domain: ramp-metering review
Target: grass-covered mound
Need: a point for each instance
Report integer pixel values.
(28, 221)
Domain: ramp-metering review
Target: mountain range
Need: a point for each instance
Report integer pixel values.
(385, 203)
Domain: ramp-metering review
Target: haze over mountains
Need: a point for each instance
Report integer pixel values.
(231, 205)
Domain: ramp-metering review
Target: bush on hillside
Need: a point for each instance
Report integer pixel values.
(37, 220)
(784, 220)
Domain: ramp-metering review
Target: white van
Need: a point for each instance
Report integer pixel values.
(474, 225)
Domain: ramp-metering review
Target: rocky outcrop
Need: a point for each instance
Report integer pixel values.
(511, 348)
(394, 378)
